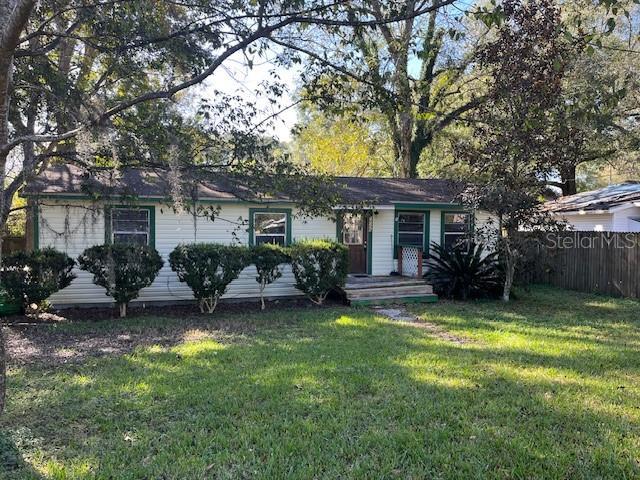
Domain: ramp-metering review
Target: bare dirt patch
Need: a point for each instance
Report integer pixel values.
(52, 340)
(399, 314)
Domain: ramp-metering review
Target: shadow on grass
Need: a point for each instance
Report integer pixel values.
(571, 316)
(11, 461)
(345, 395)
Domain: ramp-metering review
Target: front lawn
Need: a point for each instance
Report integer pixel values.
(546, 387)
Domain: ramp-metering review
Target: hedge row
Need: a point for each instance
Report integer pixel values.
(207, 268)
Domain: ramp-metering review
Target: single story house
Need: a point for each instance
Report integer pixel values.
(393, 233)
(615, 208)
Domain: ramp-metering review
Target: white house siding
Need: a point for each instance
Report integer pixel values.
(382, 242)
(435, 226)
(73, 228)
(590, 222)
(623, 220)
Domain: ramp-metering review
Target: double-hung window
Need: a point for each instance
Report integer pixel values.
(411, 230)
(270, 227)
(131, 225)
(455, 228)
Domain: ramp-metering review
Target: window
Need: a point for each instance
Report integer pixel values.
(455, 227)
(352, 229)
(411, 230)
(131, 225)
(270, 227)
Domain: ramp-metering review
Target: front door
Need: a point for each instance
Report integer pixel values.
(354, 236)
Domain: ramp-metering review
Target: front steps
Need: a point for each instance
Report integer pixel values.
(387, 290)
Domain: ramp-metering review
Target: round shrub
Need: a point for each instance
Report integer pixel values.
(208, 268)
(319, 266)
(268, 259)
(31, 277)
(123, 269)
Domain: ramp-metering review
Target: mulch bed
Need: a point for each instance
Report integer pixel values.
(31, 340)
(91, 314)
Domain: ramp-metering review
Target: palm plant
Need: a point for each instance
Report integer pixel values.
(464, 271)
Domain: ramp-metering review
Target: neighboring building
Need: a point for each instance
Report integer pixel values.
(404, 216)
(615, 208)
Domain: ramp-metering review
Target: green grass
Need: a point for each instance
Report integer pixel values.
(546, 387)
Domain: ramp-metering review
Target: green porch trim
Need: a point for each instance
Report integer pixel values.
(108, 237)
(443, 213)
(339, 219)
(36, 226)
(424, 207)
(428, 298)
(288, 229)
(370, 245)
(426, 231)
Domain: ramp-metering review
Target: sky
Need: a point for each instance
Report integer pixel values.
(236, 78)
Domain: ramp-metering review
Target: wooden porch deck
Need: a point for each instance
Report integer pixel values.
(370, 290)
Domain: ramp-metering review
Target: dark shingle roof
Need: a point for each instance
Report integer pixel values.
(601, 199)
(154, 183)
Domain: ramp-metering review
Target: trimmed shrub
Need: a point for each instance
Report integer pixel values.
(268, 259)
(31, 277)
(464, 271)
(319, 266)
(208, 269)
(123, 269)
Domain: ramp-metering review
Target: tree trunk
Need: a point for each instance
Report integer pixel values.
(568, 178)
(405, 125)
(510, 268)
(6, 64)
(123, 310)
(421, 140)
(508, 284)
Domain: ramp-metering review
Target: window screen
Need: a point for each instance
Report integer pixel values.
(456, 227)
(130, 225)
(411, 229)
(270, 228)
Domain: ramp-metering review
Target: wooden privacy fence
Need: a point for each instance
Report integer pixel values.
(597, 262)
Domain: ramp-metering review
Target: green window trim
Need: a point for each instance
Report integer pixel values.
(288, 229)
(108, 234)
(370, 247)
(426, 231)
(472, 225)
(425, 207)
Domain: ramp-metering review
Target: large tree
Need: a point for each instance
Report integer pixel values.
(513, 149)
(343, 145)
(413, 72)
(597, 120)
